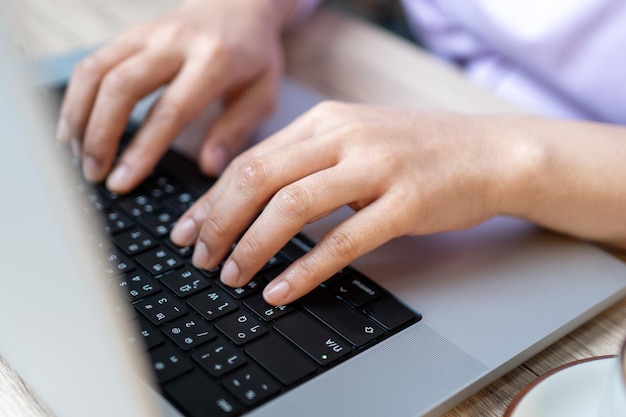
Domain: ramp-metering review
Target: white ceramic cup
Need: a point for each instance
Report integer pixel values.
(613, 403)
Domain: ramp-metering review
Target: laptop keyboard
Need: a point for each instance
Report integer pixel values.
(216, 350)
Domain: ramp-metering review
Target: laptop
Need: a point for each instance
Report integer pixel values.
(473, 304)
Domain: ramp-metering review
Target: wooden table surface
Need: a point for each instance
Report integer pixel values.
(343, 59)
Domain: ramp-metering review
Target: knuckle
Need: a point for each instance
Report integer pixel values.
(116, 82)
(169, 111)
(341, 246)
(294, 201)
(251, 174)
(213, 228)
(90, 67)
(249, 250)
(325, 109)
(307, 272)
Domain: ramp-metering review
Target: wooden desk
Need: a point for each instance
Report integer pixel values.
(328, 55)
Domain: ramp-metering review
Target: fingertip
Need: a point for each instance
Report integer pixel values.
(277, 292)
(119, 179)
(213, 159)
(184, 232)
(63, 131)
(91, 169)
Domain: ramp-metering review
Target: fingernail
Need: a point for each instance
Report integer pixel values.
(201, 257)
(90, 168)
(230, 274)
(76, 147)
(184, 232)
(63, 133)
(276, 292)
(118, 178)
(217, 159)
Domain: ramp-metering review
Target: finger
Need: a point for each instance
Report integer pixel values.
(190, 92)
(250, 189)
(286, 214)
(187, 228)
(82, 89)
(232, 130)
(120, 90)
(358, 235)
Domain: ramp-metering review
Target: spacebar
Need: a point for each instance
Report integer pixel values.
(315, 340)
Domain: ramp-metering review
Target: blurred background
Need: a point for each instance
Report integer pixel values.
(385, 13)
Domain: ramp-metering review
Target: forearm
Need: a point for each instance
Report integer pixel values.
(570, 177)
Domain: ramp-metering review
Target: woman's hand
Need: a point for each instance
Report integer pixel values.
(205, 50)
(402, 171)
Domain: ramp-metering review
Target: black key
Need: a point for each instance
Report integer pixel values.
(266, 311)
(169, 362)
(160, 186)
(159, 261)
(184, 251)
(179, 202)
(116, 264)
(134, 241)
(136, 286)
(117, 222)
(355, 288)
(241, 328)
(189, 332)
(390, 313)
(314, 339)
(139, 206)
(251, 385)
(199, 396)
(251, 287)
(161, 309)
(212, 304)
(186, 281)
(159, 224)
(219, 357)
(152, 337)
(352, 325)
(281, 359)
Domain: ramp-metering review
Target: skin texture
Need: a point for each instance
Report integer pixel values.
(402, 171)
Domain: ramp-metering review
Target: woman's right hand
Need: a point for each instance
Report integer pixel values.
(203, 51)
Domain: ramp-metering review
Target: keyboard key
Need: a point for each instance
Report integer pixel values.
(115, 263)
(390, 313)
(266, 311)
(219, 357)
(251, 385)
(136, 286)
(186, 281)
(189, 332)
(160, 309)
(241, 328)
(355, 288)
(281, 359)
(134, 241)
(251, 287)
(159, 224)
(116, 222)
(212, 304)
(151, 336)
(139, 206)
(168, 363)
(200, 396)
(355, 327)
(314, 339)
(159, 261)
